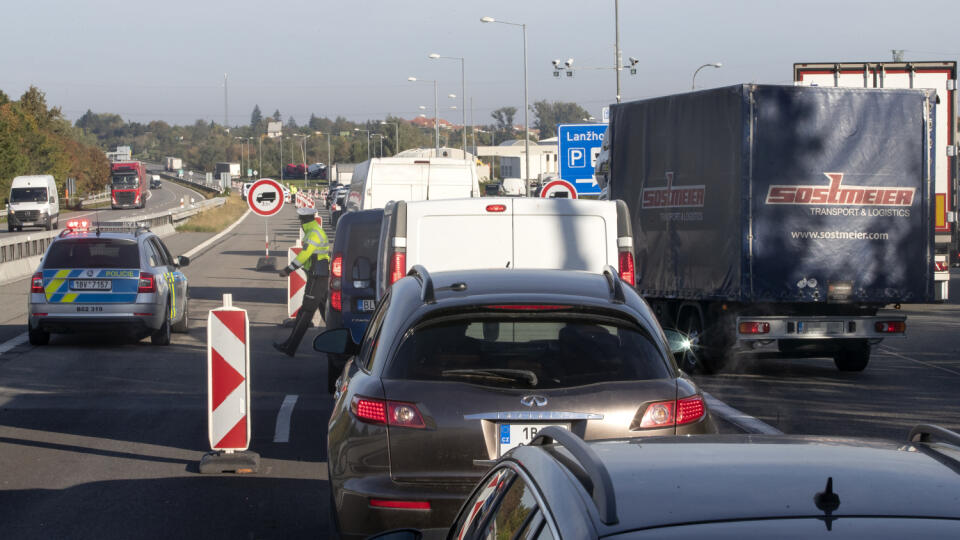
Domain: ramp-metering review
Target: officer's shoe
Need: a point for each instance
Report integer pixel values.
(282, 347)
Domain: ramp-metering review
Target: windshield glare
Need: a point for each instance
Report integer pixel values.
(518, 353)
(36, 194)
(125, 180)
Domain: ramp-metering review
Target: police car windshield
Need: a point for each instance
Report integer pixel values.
(93, 253)
(37, 194)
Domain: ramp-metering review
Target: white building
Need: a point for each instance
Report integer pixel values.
(511, 157)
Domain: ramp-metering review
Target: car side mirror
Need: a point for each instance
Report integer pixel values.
(398, 534)
(182, 260)
(336, 341)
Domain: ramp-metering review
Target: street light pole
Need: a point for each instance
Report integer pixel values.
(436, 113)
(463, 95)
(526, 122)
(693, 82)
(367, 132)
(619, 56)
(281, 157)
(396, 126)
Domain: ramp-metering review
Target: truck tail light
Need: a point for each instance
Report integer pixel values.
(336, 300)
(673, 413)
(754, 327)
(398, 266)
(36, 284)
(627, 272)
(891, 327)
(146, 284)
(393, 413)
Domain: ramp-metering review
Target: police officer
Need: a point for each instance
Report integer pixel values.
(315, 260)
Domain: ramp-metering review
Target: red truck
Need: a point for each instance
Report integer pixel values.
(128, 184)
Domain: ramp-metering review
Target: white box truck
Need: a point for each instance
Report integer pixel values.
(172, 163)
(942, 77)
(378, 181)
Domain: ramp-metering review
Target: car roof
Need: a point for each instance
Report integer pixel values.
(68, 235)
(662, 481)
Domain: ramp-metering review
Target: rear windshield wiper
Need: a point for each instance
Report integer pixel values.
(503, 375)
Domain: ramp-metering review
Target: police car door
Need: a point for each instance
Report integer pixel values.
(171, 276)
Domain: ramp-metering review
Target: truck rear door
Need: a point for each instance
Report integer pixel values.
(566, 234)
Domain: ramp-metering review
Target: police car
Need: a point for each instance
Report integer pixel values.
(109, 277)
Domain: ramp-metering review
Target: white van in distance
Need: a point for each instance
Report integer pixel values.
(378, 181)
(504, 232)
(33, 202)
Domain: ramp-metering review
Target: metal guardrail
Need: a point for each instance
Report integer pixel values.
(199, 181)
(33, 245)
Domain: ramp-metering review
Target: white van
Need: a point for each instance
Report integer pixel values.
(504, 232)
(513, 187)
(33, 202)
(378, 181)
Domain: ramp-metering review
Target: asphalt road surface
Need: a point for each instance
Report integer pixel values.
(101, 438)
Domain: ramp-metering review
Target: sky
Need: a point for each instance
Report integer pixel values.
(166, 60)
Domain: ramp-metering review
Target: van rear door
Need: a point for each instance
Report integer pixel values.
(567, 234)
(459, 234)
(451, 180)
(387, 181)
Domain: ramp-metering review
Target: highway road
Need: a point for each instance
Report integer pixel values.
(101, 438)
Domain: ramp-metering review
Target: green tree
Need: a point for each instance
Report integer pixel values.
(256, 118)
(550, 115)
(504, 118)
(276, 116)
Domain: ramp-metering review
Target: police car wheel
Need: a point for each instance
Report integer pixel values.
(181, 326)
(38, 336)
(162, 335)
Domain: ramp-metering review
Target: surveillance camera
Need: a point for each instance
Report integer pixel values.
(569, 62)
(556, 62)
(633, 61)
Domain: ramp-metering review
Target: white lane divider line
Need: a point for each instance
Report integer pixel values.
(282, 431)
(740, 419)
(13, 342)
(890, 351)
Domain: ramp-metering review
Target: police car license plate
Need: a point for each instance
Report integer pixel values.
(513, 435)
(366, 305)
(90, 284)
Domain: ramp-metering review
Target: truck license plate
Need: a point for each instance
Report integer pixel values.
(513, 435)
(90, 284)
(821, 327)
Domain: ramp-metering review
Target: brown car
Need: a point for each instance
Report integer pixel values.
(457, 368)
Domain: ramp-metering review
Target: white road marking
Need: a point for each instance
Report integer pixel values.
(740, 419)
(888, 350)
(282, 431)
(13, 342)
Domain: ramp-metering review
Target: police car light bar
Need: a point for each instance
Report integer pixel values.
(78, 225)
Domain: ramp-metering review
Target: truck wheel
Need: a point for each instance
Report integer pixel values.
(853, 357)
(162, 335)
(37, 335)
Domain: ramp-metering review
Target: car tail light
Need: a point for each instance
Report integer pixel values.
(754, 327)
(393, 413)
(627, 272)
(146, 284)
(36, 284)
(891, 327)
(402, 505)
(336, 300)
(940, 266)
(527, 307)
(690, 409)
(496, 208)
(673, 413)
(398, 266)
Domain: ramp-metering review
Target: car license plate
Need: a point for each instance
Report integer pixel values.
(90, 284)
(821, 327)
(513, 435)
(366, 305)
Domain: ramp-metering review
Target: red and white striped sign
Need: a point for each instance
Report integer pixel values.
(304, 200)
(296, 284)
(228, 380)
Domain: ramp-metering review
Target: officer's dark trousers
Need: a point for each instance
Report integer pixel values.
(314, 297)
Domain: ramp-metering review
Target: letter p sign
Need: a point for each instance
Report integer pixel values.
(577, 157)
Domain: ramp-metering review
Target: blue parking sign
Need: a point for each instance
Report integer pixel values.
(578, 148)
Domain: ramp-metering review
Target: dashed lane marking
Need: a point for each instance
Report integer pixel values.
(282, 432)
(740, 419)
(13, 342)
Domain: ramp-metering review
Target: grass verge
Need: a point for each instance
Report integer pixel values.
(217, 219)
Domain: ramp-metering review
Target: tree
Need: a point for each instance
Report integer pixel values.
(292, 124)
(256, 117)
(276, 116)
(504, 118)
(550, 115)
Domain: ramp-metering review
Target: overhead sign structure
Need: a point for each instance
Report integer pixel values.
(265, 197)
(578, 148)
(558, 189)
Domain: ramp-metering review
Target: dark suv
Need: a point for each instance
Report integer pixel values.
(457, 368)
(353, 269)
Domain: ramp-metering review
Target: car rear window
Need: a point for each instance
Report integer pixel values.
(527, 353)
(93, 253)
(360, 264)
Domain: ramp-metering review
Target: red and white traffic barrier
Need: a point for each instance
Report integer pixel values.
(304, 200)
(228, 391)
(296, 284)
